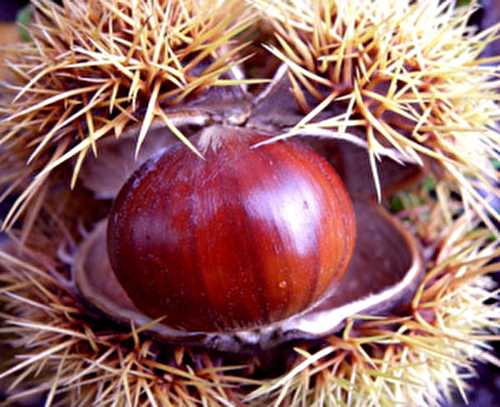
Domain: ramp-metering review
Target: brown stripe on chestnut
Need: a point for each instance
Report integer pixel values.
(226, 257)
(246, 173)
(289, 177)
(241, 239)
(332, 231)
(258, 195)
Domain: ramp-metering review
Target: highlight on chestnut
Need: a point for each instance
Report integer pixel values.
(240, 239)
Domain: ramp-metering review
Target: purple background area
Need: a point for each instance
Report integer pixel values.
(8, 8)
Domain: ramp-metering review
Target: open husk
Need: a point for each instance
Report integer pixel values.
(434, 107)
(412, 355)
(384, 272)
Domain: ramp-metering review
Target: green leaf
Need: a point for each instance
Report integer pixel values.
(396, 204)
(23, 21)
(429, 184)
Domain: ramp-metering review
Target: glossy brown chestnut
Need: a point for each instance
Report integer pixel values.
(244, 238)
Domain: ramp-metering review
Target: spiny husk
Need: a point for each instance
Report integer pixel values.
(77, 358)
(407, 73)
(93, 68)
(414, 357)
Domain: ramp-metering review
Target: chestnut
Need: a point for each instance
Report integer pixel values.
(244, 238)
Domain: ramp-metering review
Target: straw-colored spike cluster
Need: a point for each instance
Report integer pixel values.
(93, 68)
(376, 361)
(408, 74)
